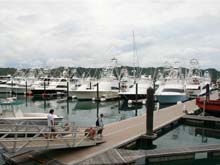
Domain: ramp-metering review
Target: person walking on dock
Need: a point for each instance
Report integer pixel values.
(51, 123)
(100, 124)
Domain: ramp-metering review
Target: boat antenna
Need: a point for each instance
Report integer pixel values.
(135, 63)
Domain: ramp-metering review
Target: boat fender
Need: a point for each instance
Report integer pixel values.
(129, 101)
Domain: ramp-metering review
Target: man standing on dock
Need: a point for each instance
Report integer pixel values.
(51, 123)
(100, 125)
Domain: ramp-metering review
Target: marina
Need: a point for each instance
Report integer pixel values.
(124, 132)
(109, 82)
(124, 105)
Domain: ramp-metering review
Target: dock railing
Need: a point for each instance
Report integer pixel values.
(16, 138)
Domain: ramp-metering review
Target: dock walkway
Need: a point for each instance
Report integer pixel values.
(123, 132)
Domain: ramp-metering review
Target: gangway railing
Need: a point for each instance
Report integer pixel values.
(15, 138)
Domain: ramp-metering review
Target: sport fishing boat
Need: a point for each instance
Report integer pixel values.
(210, 106)
(105, 88)
(172, 89)
(15, 116)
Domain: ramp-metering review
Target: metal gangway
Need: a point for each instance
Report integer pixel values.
(22, 137)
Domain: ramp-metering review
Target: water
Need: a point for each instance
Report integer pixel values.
(185, 136)
(82, 113)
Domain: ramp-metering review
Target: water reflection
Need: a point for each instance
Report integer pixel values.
(83, 113)
(186, 136)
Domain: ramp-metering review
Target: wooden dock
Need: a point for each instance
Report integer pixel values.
(123, 132)
(120, 133)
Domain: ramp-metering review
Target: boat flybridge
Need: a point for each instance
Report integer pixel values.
(172, 89)
(193, 82)
(104, 88)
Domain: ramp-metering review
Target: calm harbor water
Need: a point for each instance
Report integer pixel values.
(82, 113)
(185, 136)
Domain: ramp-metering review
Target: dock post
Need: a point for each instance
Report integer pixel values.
(97, 92)
(150, 109)
(207, 92)
(136, 93)
(97, 109)
(67, 90)
(119, 87)
(67, 100)
(44, 96)
(154, 85)
(12, 88)
(44, 88)
(146, 141)
(26, 91)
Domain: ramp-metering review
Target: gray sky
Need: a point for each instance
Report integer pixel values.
(88, 33)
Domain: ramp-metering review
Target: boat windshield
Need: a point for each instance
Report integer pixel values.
(173, 90)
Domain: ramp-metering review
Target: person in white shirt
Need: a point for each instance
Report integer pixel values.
(51, 123)
(100, 125)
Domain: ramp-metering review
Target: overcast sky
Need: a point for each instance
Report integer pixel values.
(88, 33)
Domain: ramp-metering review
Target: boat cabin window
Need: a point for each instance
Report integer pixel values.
(173, 90)
(61, 86)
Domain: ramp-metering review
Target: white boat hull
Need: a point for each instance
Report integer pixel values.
(89, 95)
(14, 89)
(171, 99)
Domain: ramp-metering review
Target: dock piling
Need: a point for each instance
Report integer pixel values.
(150, 136)
(67, 100)
(26, 92)
(149, 109)
(97, 92)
